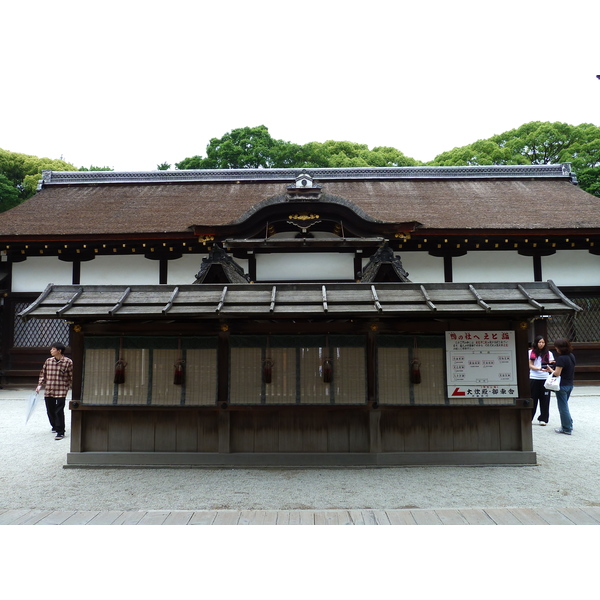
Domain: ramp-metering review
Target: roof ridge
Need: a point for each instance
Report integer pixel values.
(562, 170)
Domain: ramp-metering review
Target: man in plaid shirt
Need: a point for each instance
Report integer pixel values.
(56, 377)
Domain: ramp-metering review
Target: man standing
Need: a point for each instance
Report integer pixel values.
(57, 377)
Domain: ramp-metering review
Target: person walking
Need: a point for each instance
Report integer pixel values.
(539, 358)
(565, 367)
(56, 377)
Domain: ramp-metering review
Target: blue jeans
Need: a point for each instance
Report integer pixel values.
(562, 399)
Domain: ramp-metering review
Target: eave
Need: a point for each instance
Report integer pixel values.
(91, 303)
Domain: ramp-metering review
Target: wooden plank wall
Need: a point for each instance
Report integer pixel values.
(302, 429)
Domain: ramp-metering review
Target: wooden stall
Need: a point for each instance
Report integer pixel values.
(300, 374)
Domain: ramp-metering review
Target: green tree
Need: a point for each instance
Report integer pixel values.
(24, 171)
(253, 147)
(163, 166)
(245, 148)
(9, 195)
(93, 168)
(349, 154)
(537, 143)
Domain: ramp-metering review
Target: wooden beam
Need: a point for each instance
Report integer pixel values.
(169, 304)
(222, 300)
(376, 299)
(529, 297)
(120, 302)
(479, 299)
(428, 301)
(71, 301)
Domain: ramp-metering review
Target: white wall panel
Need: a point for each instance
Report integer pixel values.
(35, 273)
(183, 270)
(487, 266)
(305, 266)
(422, 267)
(572, 267)
(120, 270)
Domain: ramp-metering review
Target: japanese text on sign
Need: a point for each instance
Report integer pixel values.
(481, 364)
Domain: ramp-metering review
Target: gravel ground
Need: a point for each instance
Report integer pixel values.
(32, 475)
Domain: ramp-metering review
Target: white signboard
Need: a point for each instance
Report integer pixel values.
(481, 364)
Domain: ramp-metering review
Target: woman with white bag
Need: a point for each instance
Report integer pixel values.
(565, 369)
(539, 359)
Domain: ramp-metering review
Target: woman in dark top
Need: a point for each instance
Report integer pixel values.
(565, 367)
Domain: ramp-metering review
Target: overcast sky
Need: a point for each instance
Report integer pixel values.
(131, 84)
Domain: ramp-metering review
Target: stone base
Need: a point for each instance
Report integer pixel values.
(297, 459)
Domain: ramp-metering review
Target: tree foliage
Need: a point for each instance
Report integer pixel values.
(23, 171)
(9, 195)
(253, 148)
(245, 148)
(537, 143)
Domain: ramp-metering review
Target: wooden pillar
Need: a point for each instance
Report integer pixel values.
(223, 365)
(76, 343)
(374, 431)
(537, 267)
(224, 420)
(76, 430)
(224, 425)
(163, 271)
(371, 374)
(526, 431)
(448, 269)
(521, 344)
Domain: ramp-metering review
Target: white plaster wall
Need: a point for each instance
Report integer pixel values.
(120, 270)
(572, 267)
(182, 271)
(422, 267)
(35, 273)
(487, 266)
(307, 266)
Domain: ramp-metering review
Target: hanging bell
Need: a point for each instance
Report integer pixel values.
(120, 371)
(267, 370)
(327, 370)
(415, 371)
(179, 374)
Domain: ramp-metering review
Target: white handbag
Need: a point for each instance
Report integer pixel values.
(552, 383)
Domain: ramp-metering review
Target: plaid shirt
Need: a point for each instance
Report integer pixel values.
(57, 377)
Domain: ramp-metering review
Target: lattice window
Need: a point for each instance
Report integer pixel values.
(394, 356)
(583, 326)
(36, 333)
(149, 374)
(298, 369)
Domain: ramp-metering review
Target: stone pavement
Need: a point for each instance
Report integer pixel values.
(577, 509)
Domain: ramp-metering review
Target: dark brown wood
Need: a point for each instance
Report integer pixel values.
(76, 445)
(305, 430)
(120, 432)
(77, 353)
(142, 435)
(166, 432)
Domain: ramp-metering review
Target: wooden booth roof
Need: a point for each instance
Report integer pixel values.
(103, 203)
(305, 300)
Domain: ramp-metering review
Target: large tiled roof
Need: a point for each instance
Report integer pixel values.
(441, 198)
